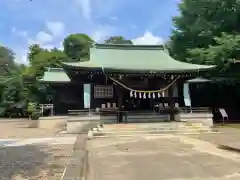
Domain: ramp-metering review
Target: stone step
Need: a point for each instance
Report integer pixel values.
(151, 128)
(159, 130)
(122, 133)
(156, 127)
(154, 130)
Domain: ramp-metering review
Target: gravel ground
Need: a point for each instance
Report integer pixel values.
(34, 162)
(40, 161)
(20, 129)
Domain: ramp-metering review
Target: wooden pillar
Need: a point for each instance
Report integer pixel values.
(171, 103)
(120, 103)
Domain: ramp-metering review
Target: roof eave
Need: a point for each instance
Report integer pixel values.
(78, 66)
(53, 82)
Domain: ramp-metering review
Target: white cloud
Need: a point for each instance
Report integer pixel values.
(21, 56)
(56, 28)
(86, 8)
(61, 46)
(148, 39)
(103, 31)
(18, 32)
(43, 37)
(98, 35)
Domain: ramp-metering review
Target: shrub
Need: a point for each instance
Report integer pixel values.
(31, 108)
(35, 116)
(33, 112)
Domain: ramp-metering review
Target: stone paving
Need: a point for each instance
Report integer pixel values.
(37, 141)
(165, 157)
(227, 137)
(34, 161)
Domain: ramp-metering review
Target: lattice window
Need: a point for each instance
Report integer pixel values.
(103, 92)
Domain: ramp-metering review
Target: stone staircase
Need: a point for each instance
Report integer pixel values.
(150, 128)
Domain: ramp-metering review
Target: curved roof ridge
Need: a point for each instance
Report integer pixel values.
(148, 59)
(128, 46)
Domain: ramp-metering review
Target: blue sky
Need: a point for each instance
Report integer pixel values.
(47, 22)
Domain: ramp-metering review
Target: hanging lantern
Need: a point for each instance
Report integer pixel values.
(135, 94)
(153, 95)
(131, 94)
(140, 95)
(159, 95)
(149, 95)
(144, 95)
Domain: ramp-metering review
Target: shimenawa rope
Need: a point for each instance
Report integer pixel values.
(143, 91)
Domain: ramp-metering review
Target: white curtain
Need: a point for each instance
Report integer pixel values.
(186, 95)
(87, 95)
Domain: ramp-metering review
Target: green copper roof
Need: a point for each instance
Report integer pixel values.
(151, 58)
(54, 75)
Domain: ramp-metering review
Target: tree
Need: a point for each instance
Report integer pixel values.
(199, 24)
(117, 40)
(227, 49)
(6, 59)
(76, 47)
(34, 50)
(41, 58)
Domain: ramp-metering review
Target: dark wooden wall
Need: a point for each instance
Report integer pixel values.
(67, 97)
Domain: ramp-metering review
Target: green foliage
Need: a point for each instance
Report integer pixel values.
(76, 47)
(46, 58)
(32, 107)
(208, 32)
(35, 116)
(7, 63)
(226, 49)
(198, 26)
(34, 50)
(117, 40)
(19, 84)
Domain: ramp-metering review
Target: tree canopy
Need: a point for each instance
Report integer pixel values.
(206, 31)
(117, 40)
(76, 47)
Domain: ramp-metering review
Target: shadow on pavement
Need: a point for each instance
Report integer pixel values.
(228, 148)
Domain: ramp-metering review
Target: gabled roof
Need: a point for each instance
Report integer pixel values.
(147, 58)
(55, 75)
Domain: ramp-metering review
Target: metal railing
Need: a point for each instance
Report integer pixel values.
(195, 109)
(125, 116)
(77, 112)
(113, 110)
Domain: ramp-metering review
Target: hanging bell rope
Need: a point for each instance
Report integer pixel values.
(144, 91)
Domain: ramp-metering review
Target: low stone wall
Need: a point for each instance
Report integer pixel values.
(204, 118)
(52, 123)
(81, 124)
